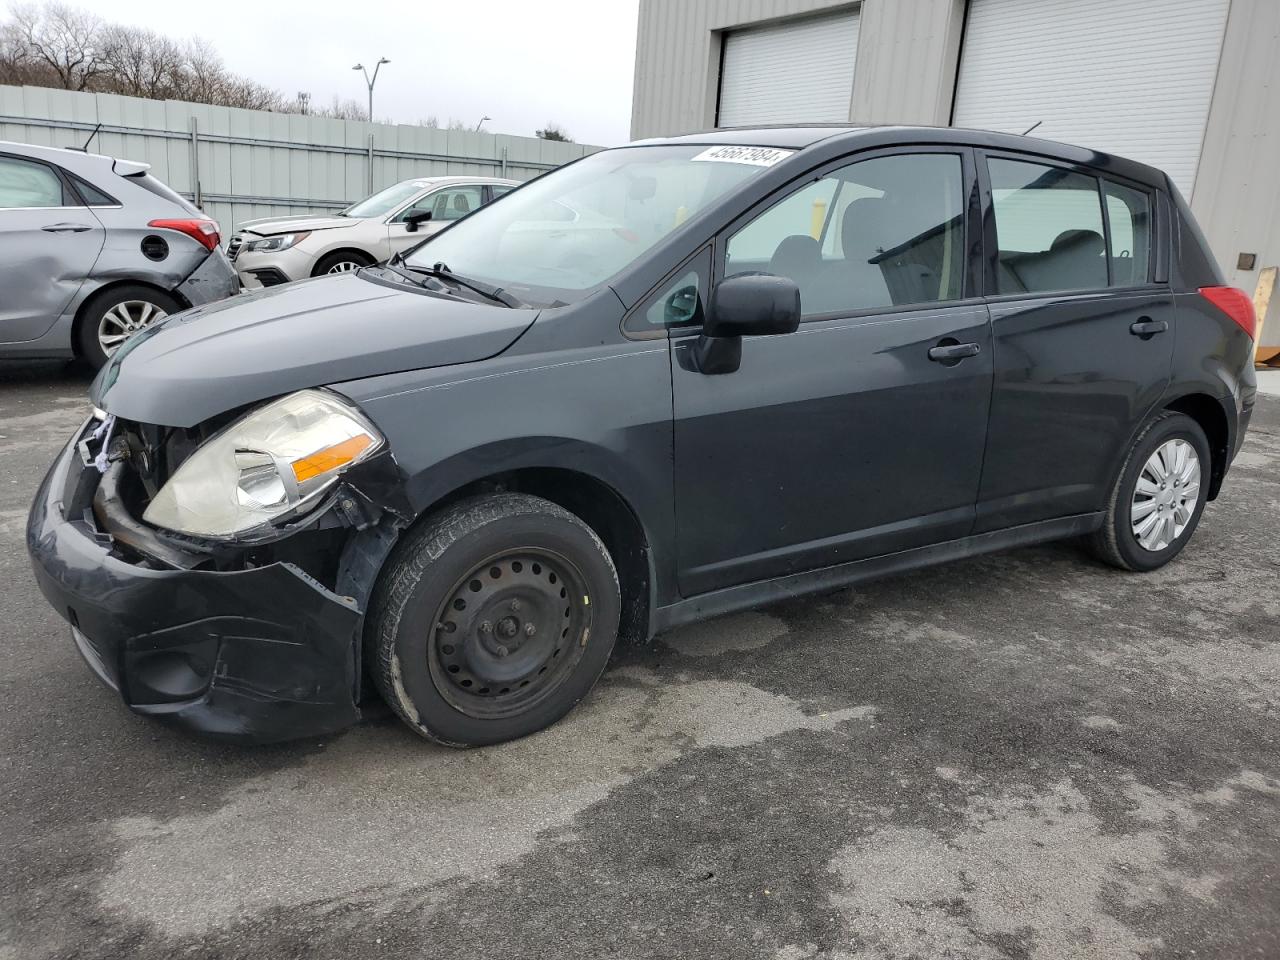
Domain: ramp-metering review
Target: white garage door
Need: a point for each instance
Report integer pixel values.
(795, 72)
(1125, 76)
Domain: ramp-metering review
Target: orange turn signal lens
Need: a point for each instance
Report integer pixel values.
(330, 458)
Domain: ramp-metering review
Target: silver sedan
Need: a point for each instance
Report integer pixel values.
(272, 251)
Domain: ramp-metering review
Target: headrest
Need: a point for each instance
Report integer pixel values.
(862, 230)
(796, 252)
(1079, 241)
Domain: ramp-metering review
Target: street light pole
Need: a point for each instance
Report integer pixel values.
(481, 123)
(370, 81)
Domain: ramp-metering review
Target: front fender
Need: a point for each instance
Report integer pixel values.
(603, 412)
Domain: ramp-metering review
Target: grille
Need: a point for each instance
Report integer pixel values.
(233, 247)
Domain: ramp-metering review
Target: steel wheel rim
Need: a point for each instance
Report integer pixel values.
(343, 266)
(124, 320)
(491, 610)
(1166, 495)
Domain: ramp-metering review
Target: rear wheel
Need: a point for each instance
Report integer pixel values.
(1159, 496)
(111, 318)
(493, 619)
(341, 261)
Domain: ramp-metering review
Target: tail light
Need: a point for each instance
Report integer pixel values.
(201, 229)
(1236, 305)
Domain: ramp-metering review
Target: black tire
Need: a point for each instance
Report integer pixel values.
(1116, 543)
(331, 260)
(88, 346)
(539, 612)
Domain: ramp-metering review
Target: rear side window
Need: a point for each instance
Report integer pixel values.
(93, 197)
(1049, 228)
(24, 184)
(1129, 216)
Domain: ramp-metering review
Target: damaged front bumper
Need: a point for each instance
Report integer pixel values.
(255, 651)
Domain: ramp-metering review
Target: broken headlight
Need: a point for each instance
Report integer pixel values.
(269, 464)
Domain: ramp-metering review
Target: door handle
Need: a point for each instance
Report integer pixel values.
(66, 228)
(1146, 328)
(950, 352)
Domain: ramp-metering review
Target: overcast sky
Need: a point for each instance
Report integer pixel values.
(524, 63)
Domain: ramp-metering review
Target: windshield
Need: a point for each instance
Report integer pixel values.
(574, 228)
(384, 201)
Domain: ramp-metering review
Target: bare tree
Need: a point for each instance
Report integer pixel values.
(553, 131)
(63, 38)
(249, 94)
(201, 77)
(57, 45)
(140, 63)
(15, 67)
(343, 110)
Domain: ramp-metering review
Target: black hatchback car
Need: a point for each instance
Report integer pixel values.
(668, 381)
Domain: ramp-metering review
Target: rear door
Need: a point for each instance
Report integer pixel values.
(1083, 334)
(862, 433)
(50, 243)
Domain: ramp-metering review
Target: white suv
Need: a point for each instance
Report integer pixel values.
(277, 250)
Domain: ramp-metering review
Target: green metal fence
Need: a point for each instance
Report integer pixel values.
(243, 164)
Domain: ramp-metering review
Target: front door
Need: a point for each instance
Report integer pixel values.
(1083, 336)
(445, 206)
(862, 433)
(51, 243)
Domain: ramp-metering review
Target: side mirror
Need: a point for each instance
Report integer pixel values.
(412, 220)
(746, 305)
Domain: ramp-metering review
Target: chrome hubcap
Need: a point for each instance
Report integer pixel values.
(124, 320)
(1166, 496)
(343, 266)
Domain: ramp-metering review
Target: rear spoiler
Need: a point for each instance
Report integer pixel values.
(129, 168)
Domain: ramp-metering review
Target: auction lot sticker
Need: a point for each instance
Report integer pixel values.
(755, 156)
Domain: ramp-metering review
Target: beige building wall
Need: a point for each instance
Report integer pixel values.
(906, 65)
(908, 51)
(1236, 197)
(906, 59)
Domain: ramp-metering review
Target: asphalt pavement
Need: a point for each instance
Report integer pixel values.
(1025, 755)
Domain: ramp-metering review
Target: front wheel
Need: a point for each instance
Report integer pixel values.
(342, 261)
(492, 620)
(1159, 496)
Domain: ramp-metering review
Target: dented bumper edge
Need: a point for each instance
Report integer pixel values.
(261, 654)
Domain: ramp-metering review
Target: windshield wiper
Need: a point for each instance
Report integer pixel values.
(416, 280)
(443, 277)
(441, 271)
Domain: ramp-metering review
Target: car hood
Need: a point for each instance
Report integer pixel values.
(202, 362)
(273, 225)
